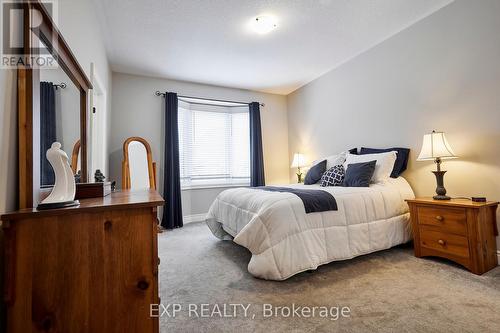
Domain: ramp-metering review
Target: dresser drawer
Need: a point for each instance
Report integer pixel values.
(450, 220)
(448, 243)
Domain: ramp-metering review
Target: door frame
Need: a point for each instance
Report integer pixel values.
(98, 123)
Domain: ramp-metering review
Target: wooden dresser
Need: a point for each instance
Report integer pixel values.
(458, 229)
(92, 268)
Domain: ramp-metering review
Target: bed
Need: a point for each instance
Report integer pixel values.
(284, 240)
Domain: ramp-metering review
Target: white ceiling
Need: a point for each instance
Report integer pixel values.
(209, 41)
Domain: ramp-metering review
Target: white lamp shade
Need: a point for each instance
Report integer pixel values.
(434, 146)
(299, 161)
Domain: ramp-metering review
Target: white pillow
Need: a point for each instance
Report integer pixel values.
(331, 160)
(383, 167)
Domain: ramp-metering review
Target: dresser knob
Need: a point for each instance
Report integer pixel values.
(46, 323)
(143, 284)
(439, 218)
(441, 242)
(107, 225)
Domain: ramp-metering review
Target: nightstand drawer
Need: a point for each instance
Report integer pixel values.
(449, 220)
(448, 243)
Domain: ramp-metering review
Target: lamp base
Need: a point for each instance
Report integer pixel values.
(441, 197)
(299, 178)
(440, 190)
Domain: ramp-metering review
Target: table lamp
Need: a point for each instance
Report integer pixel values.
(299, 161)
(436, 147)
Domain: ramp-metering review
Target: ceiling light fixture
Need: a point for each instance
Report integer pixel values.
(264, 24)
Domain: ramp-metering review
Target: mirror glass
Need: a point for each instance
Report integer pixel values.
(138, 165)
(59, 119)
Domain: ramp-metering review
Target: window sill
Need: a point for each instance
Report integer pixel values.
(203, 187)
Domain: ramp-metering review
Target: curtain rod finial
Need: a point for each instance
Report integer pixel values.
(157, 93)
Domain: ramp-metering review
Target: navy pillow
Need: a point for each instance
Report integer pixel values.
(314, 174)
(359, 174)
(353, 151)
(401, 158)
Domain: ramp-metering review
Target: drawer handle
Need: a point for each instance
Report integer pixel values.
(143, 285)
(441, 242)
(107, 225)
(439, 218)
(46, 323)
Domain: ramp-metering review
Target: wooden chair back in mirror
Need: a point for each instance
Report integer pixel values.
(138, 168)
(75, 156)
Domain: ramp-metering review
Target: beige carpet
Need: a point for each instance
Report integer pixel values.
(388, 291)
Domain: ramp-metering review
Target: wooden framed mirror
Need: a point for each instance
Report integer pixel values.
(42, 38)
(138, 168)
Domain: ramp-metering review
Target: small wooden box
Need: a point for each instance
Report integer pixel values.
(92, 190)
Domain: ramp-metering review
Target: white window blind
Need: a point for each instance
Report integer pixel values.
(214, 145)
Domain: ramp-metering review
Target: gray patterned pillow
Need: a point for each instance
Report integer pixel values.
(333, 176)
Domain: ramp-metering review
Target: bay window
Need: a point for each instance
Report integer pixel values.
(214, 145)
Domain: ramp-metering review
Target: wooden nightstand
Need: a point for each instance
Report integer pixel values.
(458, 229)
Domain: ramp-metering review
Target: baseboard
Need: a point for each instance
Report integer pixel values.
(194, 218)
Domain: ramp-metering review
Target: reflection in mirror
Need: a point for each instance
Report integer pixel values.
(138, 165)
(59, 118)
(45, 48)
(75, 160)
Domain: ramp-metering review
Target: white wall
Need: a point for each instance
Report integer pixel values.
(442, 73)
(8, 137)
(80, 27)
(137, 111)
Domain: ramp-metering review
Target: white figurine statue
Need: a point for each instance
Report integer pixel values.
(63, 192)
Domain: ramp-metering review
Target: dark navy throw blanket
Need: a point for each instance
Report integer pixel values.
(315, 201)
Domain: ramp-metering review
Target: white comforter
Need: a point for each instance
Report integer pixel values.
(284, 240)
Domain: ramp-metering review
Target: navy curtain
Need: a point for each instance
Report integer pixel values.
(47, 129)
(172, 211)
(256, 154)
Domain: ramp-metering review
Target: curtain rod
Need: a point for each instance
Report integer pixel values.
(158, 93)
(61, 85)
